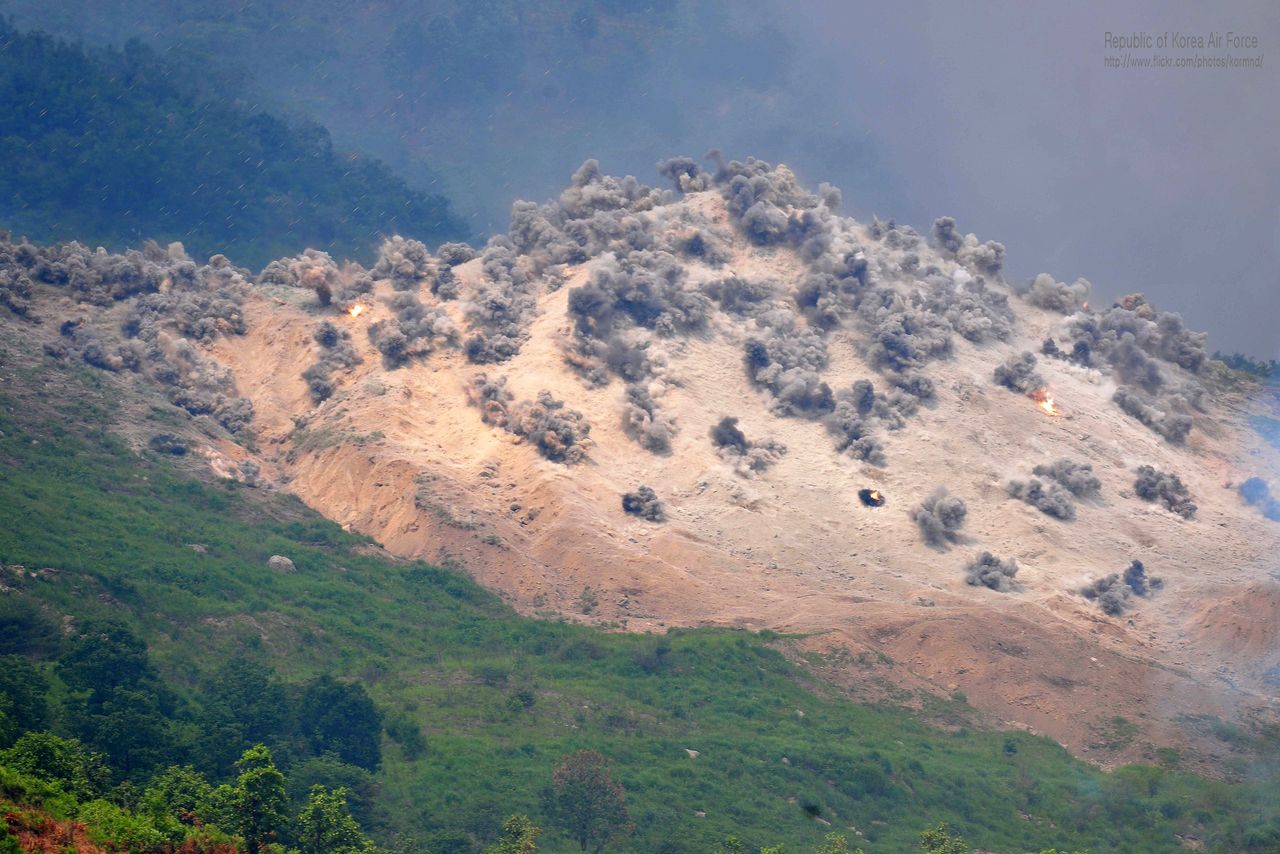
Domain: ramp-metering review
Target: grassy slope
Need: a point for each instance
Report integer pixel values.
(432, 645)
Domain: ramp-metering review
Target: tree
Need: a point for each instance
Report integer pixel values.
(587, 802)
(25, 630)
(339, 718)
(519, 836)
(258, 800)
(64, 761)
(327, 771)
(178, 794)
(938, 840)
(836, 843)
(326, 827)
(24, 687)
(104, 657)
(118, 704)
(244, 705)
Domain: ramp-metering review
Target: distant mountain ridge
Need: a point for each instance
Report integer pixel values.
(115, 147)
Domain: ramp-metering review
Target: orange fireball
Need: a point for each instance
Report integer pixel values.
(1044, 400)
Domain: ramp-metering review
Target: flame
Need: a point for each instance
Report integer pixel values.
(875, 495)
(355, 310)
(1044, 400)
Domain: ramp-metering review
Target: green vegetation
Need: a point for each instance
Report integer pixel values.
(179, 811)
(1266, 370)
(114, 147)
(473, 707)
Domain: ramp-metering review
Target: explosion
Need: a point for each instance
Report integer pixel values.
(1044, 400)
(871, 497)
(356, 310)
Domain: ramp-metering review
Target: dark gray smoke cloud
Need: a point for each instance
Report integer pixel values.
(171, 302)
(987, 570)
(940, 518)
(1168, 489)
(559, 434)
(977, 312)
(1114, 593)
(644, 422)
(1047, 293)
(1048, 497)
(644, 502)
(1018, 373)
(1174, 426)
(502, 308)
(983, 258)
(1076, 477)
(406, 262)
(416, 331)
(748, 458)
(335, 354)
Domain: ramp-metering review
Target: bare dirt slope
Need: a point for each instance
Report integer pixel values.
(680, 284)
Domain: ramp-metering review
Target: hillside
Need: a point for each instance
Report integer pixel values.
(478, 703)
(221, 174)
(498, 411)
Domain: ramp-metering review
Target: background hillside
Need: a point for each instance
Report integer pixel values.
(114, 147)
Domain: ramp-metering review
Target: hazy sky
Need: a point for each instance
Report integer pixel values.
(1164, 180)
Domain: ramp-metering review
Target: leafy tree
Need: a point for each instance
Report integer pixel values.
(325, 826)
(938, 840)
(22, 695)
(9, 729)
(131, 727)
(243, 705)
(339, 718)
(361, 787)
(519, 836)
(119, 704)
(105, 656)
(25, 630)
(258, 799)
(587, 802)
(178, 794)
(64, 761)
(836, 843)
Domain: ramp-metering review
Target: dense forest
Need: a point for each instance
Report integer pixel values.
(116, 146)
